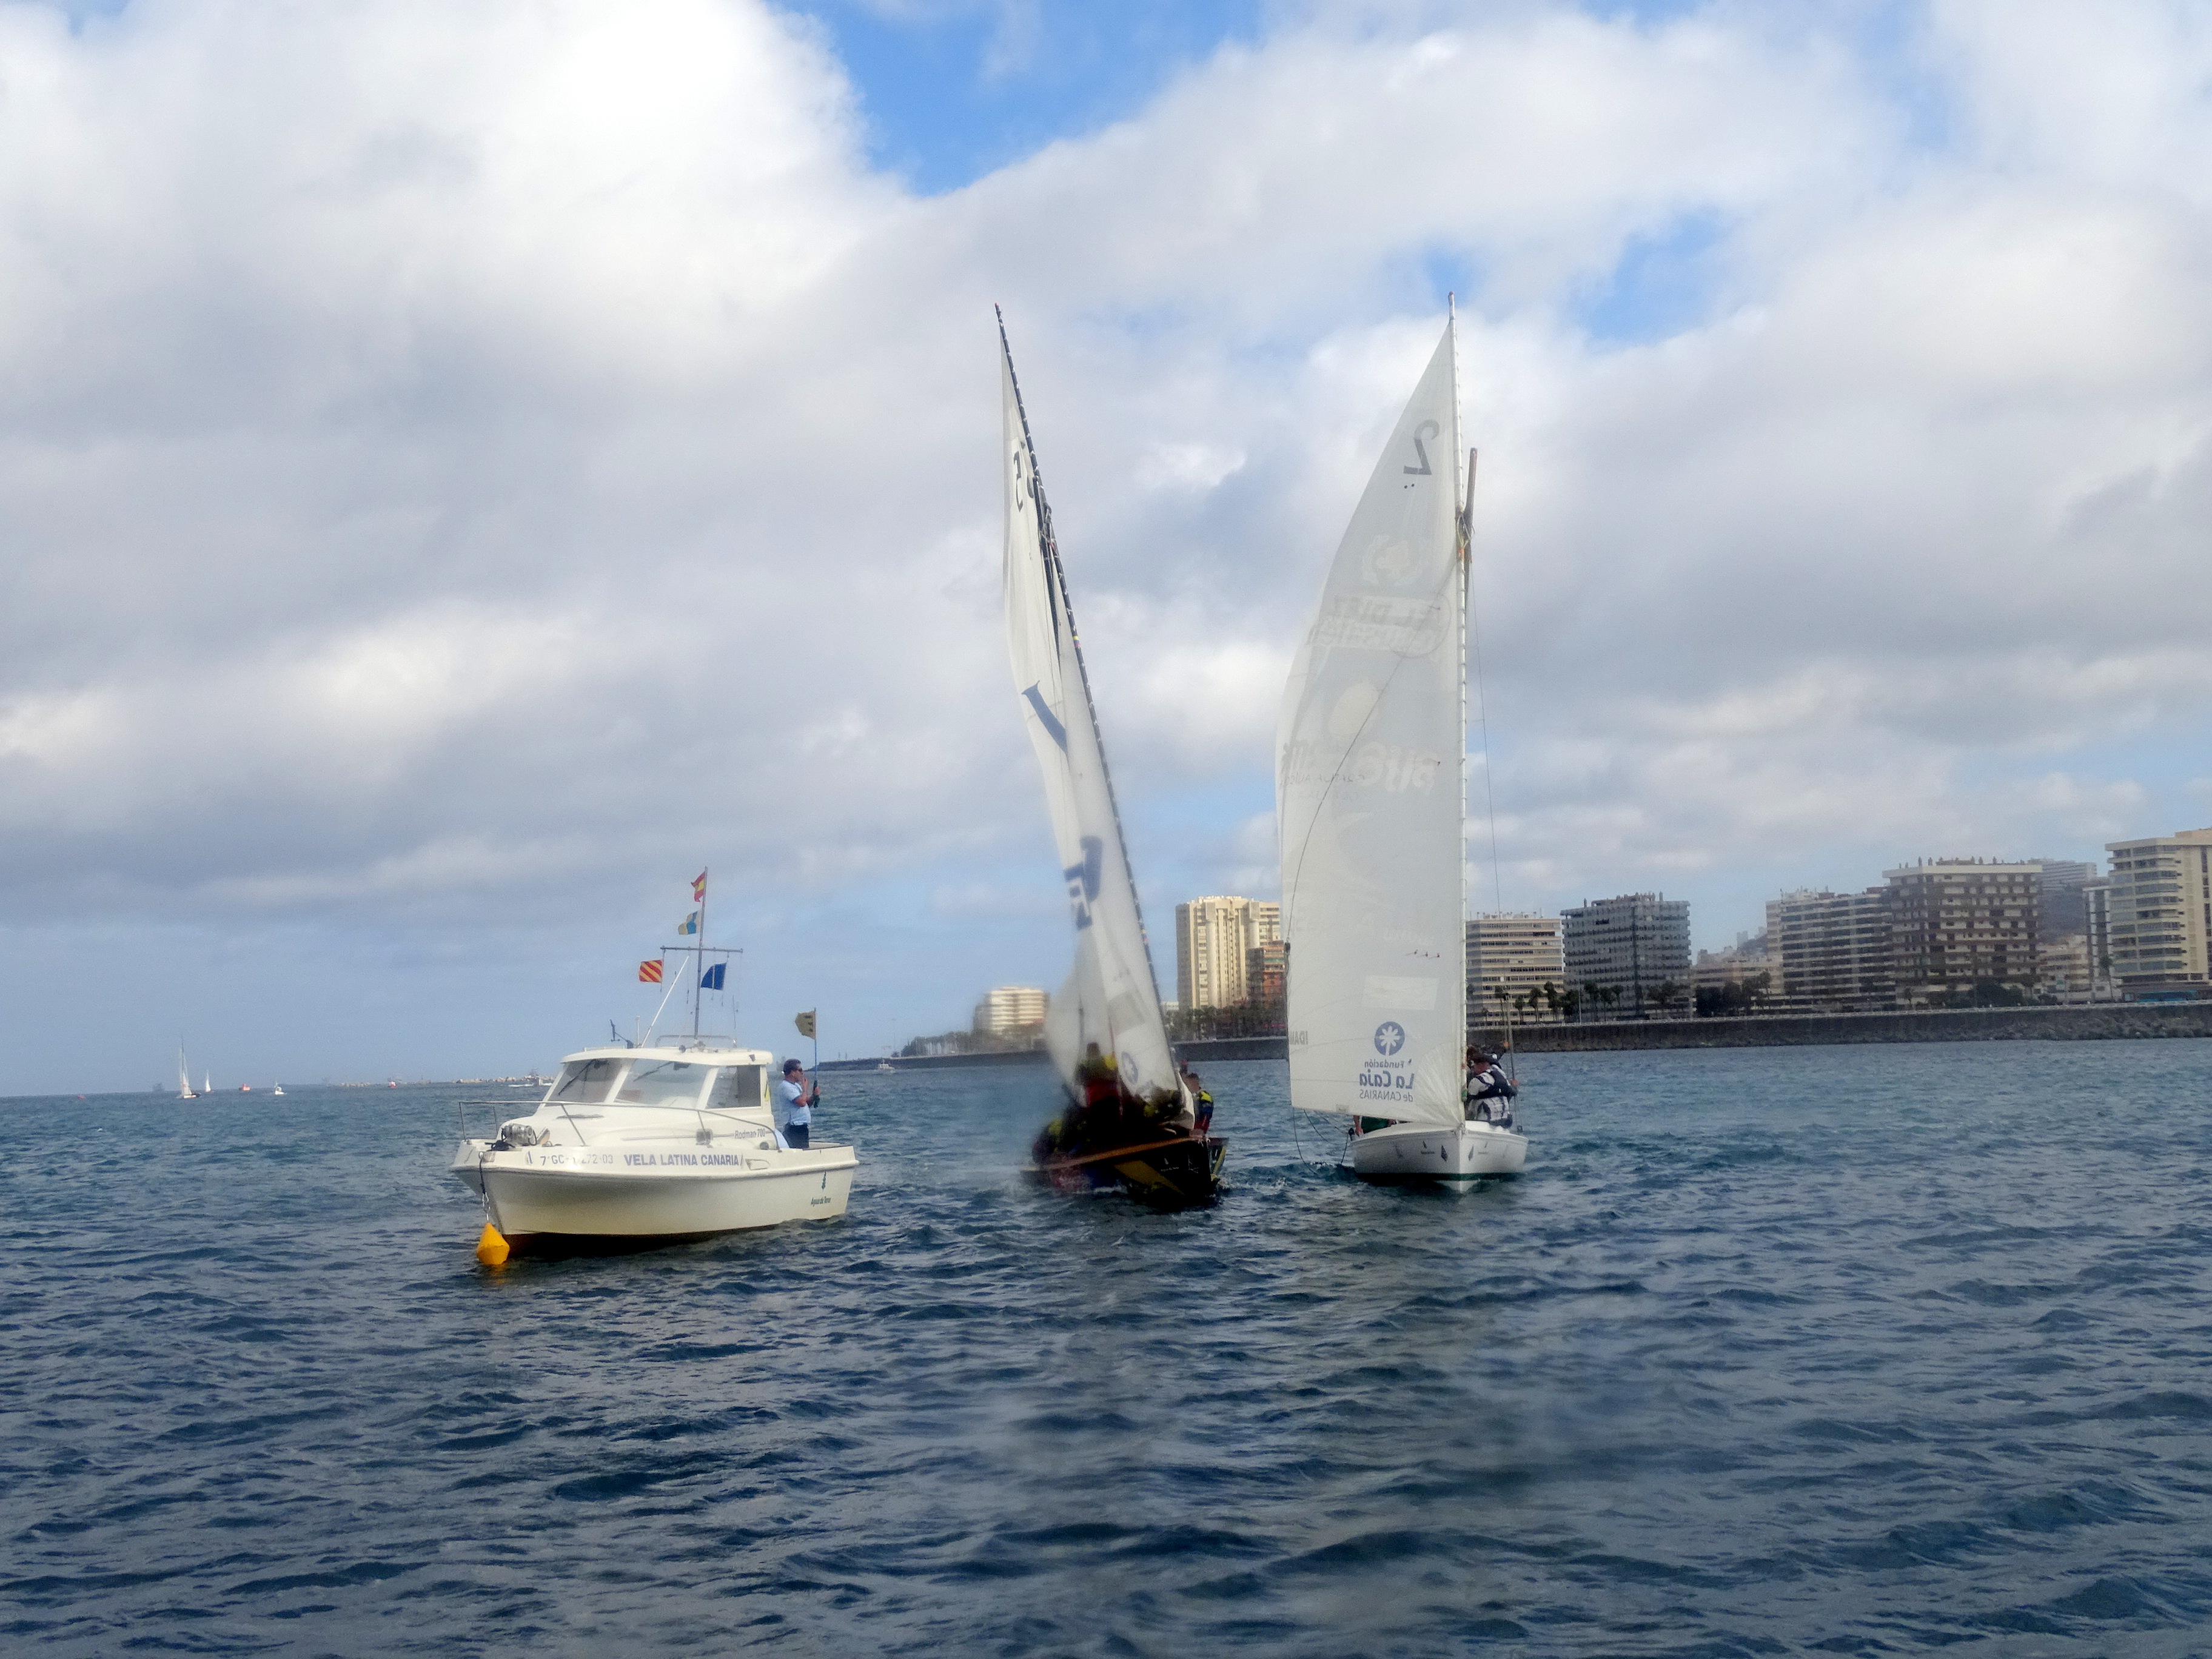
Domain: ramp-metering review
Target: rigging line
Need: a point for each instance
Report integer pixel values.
(1048, 546)
(1482, 701)
(1482, 721)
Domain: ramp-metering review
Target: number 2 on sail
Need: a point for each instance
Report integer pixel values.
(1426, 429)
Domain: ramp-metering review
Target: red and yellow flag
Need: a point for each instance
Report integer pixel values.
(699, 888)
(649, 972)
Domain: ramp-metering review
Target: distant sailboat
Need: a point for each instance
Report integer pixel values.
(1371, 804)
(184, 1078)
(1131, 1120)
(278, 1090)
(207, 1084)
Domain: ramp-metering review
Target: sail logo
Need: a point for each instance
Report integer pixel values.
(1392, 562)
(1046, 718)
(1389, 1037)
(1083, 880)
(1395, 767)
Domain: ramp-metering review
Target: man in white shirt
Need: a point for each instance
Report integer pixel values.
(796, 1101)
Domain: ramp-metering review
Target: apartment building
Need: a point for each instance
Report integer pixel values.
(2060, 908)
(2155, 926)
(1214, 939)
(1955, 923)
(1510, 961)
(1265, 968)
(1628, 957)
(1006, 1009)
(1834, 951)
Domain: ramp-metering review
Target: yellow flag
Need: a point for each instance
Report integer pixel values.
(805, 1023)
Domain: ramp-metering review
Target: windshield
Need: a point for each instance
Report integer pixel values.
(665, 1083)
(586, 1082)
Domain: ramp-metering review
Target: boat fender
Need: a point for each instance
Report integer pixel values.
(491, 1247)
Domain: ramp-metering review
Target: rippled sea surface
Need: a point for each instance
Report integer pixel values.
(1866, 1350)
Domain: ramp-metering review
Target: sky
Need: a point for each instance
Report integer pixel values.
(464, 470)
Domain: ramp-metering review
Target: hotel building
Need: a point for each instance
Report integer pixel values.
(1516, 955)
(1214, 939)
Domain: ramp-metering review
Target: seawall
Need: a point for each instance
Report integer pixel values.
(933, 1062)
(2105, 1021)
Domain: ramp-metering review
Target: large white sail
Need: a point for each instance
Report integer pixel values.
(1371, 791)
(1110, 998)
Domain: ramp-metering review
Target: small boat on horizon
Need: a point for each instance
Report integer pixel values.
(184, 1077)
(1371, 809)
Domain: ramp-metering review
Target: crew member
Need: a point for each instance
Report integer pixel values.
(797, 1103)
(1484, 1083)
(1202, 1103)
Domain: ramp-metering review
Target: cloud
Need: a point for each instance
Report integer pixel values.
(461, 464)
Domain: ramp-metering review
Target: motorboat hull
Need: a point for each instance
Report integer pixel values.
(1453, 1154)
(1169, 1174)
(562, 1201)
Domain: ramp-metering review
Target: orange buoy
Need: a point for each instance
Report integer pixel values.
(491, 1247)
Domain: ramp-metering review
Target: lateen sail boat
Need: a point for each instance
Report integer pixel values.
(1371, 806)
(1133, 1120)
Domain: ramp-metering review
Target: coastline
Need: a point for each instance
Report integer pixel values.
(2101, 1021)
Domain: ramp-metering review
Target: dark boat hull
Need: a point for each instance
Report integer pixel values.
(1169, 1174)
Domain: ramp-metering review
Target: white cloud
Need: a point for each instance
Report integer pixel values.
(469, 461)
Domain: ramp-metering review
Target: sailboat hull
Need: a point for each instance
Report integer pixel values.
(1170, 1174)
(1455, 1154)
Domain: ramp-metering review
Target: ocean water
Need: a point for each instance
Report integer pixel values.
(1858, 1350)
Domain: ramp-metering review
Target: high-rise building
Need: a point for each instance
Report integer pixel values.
(1628, 957)
(1519, 955)
(1213, 939)
(1264, 970)
(2158, 921)
(2058, 904)
(1834, 950)
(2097, 916)
(1010, 1008)
(1957, 923)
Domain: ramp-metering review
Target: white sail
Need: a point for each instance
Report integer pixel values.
(1110, 996)
(184, 1080)
(1372, 791)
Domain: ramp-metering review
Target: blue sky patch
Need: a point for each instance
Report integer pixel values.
(1661, 285)
(955, 89)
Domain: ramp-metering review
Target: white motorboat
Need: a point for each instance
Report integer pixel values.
(1371, 804)
(278, 1090)
(658, 1144)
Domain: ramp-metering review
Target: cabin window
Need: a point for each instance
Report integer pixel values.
(665, 1083)
(587, 1082)
(740, 1088)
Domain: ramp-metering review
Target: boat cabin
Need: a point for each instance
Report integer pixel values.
(622, 1093)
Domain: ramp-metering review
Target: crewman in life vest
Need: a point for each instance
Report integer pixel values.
(1485, 1083)
(1202, 1103)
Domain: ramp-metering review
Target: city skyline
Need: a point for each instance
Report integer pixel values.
(415, 483)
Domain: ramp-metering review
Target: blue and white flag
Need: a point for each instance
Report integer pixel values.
(712, 978)
(691, 924)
